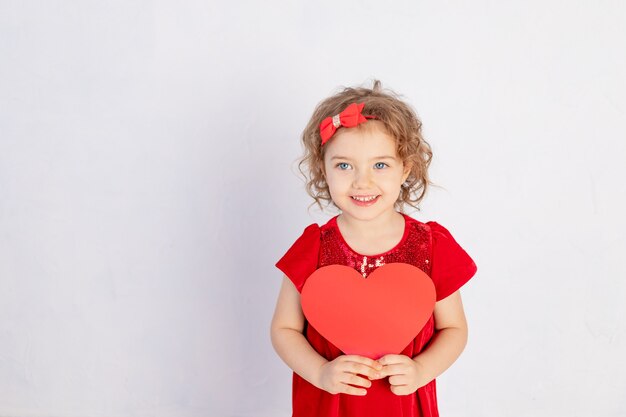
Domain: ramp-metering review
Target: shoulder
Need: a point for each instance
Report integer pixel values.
(301, 258)
(310, 235)
(329, 225)
(419, 225)
(441, 236)
(437, 230)
(451, 265)
(311, 230)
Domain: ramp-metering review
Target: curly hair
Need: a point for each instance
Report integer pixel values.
(400, 122)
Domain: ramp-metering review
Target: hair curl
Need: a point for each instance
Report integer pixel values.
(400, 121)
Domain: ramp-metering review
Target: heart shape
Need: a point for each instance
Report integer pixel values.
(371, 316)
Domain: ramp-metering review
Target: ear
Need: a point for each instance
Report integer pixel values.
(407, 170)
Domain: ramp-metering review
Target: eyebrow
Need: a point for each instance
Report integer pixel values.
(376, 157)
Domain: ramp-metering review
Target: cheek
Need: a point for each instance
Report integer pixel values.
(392, 181)
(335, 179)
(338, 181)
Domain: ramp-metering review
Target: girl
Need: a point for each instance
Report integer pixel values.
(364, 154)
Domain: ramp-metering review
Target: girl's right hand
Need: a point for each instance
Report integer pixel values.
(338, 375)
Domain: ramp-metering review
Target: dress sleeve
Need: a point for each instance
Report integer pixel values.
(301, 259)
(451, 266)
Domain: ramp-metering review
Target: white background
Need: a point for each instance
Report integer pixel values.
(148, 186)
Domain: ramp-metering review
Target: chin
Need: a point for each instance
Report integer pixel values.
(364, 213)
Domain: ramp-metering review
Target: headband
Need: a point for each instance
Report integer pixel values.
(350, 117)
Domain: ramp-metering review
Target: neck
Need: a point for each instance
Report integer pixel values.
(370, 228)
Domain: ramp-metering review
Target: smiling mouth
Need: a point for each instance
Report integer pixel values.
(365, 199)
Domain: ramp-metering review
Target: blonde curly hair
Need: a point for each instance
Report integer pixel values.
(400, 122)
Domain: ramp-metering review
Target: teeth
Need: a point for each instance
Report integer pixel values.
(365, 198)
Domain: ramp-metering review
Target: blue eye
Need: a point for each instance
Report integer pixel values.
(380, 165)
(343, 165)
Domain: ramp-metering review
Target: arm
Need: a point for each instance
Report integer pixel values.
(405, 375)
(448, 341)
(293, 348)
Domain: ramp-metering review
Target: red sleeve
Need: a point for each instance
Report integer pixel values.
(301, 259)
(451, 266)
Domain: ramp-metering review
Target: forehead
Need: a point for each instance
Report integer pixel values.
(366, 140)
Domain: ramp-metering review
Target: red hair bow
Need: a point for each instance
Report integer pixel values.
(350, 117)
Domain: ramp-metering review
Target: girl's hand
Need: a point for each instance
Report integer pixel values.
(338, 375)
(404, 373)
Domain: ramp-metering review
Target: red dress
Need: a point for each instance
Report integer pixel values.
(428, 246)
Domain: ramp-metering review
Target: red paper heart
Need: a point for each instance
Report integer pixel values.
(370, 316)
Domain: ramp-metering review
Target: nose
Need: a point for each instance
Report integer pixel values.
(362, 178)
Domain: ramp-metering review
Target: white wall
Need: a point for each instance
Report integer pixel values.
(147, 187)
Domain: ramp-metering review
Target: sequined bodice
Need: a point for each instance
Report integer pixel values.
(413, 248)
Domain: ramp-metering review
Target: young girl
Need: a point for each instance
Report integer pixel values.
(365, 155)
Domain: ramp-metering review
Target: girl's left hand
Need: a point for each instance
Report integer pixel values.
(404, 373)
